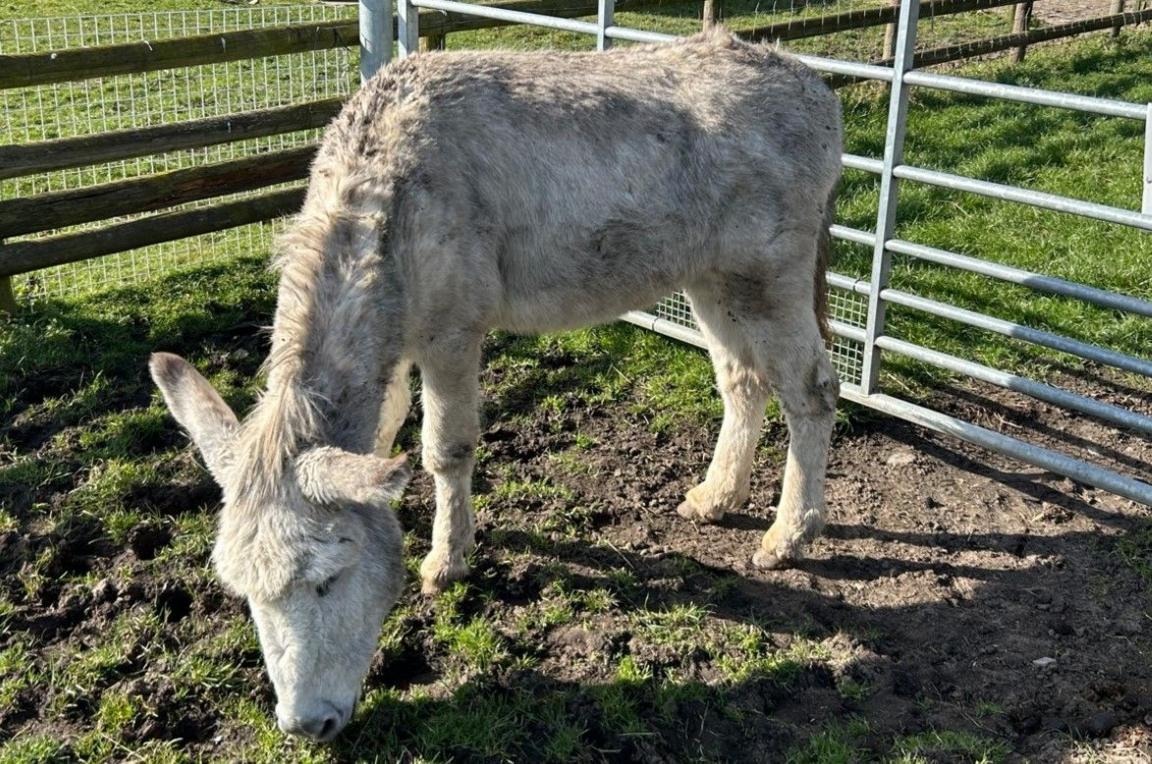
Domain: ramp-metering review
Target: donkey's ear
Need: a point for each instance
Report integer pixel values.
(198, 407)
(330, 475)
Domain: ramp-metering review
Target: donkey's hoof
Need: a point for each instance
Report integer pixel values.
(689, 510)
(766, 560)
(438, 573)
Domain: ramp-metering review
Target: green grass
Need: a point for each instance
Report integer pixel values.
(841, 743)
(1096, 159)
(98, 454)
(1135, 550)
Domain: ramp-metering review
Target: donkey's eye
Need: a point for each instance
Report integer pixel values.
(322, 589)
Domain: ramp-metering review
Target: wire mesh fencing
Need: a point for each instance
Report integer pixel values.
(100, 105)
(844, 306)
(818, 27)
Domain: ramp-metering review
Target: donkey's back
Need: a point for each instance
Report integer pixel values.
(554, 178)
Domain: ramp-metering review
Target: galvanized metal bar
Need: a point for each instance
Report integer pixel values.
(1054, 395)
(1026, 196)
(1061, 464)
(847, 331)
(819, 63)
(639, 35)
(665, 327)
(886, 215)
(840, 281)
(1147, 203)
(867, 164)
(1099, 297)
(503, 14)
(691, 336)
(408, 28)
(605, 10)
(849, 68)
(1104, 106)
(1053, 461)
(375, 36)
(1021, 332)
(867, 238)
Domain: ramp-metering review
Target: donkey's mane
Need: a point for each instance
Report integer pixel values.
(328, 260)
(288, 411)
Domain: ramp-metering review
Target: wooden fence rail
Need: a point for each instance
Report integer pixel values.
(25, 256)
(45, 68)
(30, 69)
(61, 209)
(74, 64)
(795, 29)
(63, 153)
(949, 53)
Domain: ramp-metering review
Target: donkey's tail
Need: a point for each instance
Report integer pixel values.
(823, 258)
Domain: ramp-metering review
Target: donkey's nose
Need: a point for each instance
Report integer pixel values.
(322, 726)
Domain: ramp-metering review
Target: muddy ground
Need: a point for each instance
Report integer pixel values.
(955, 593)
(955, 581)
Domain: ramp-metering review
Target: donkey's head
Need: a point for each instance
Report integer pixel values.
(316, 551)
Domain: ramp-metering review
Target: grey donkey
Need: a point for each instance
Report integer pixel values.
(457, 193)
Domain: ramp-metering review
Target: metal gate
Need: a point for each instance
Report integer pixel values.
(858, 306)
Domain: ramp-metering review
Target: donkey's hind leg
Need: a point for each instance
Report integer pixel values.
(394, 409)
(763, 332)
(744, 389)
(802, 374)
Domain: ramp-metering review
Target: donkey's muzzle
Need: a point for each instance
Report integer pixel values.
(323, 725)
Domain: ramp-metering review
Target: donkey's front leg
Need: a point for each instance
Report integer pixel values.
(451, 427)
(394, 409)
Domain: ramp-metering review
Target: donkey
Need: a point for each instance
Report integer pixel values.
(457, 193)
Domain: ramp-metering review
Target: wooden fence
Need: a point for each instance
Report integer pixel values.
(56, 210)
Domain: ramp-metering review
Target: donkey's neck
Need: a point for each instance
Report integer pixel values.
(335, 342)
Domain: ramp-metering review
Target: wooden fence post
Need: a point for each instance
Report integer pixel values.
(890, 35)
(1117, 7)
(1021, 19)
(432, 42)
(7, 296)
(711, 13)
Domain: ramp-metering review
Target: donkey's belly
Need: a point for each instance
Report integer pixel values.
(556, 307)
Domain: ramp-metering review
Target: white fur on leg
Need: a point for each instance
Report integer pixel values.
(726, 485)
(394, 409)
(451, 427)
(440, 569)
(785, 541)
(453, 531)
(801, 515)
